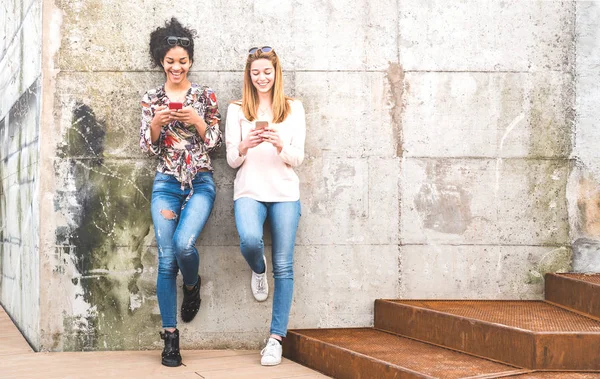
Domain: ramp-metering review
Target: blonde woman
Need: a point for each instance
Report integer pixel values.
(265, 135)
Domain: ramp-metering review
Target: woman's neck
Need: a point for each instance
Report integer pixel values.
(177, 87)
(264, 99)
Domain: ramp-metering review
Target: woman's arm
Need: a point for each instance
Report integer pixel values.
(150, 136)
(233, 137)
(209, 127)
(293, 153)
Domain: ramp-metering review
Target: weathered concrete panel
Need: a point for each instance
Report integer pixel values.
(488, 115)
(587, 77)
(586, 255)
(588, 35)
(310, 34)
(326, 37)
(336, 286)
(347, 113)
(583, 193)
(19, 212)
(486, 35)
(101, 256)
(437, 271)
(20, 50)
(464, 201)
(101, 205)
(349, 201)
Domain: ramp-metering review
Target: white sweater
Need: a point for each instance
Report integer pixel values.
(264, 175)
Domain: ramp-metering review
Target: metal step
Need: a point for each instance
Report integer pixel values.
(557, 375)
(370, 353)
(528, 334)
(580, 292)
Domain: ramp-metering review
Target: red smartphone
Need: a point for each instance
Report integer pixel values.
(262, 124)
(174, 105)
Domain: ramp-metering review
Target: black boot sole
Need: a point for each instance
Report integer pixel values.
(171, 364)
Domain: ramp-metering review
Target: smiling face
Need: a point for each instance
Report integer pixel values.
(262, 74)
(177, 64)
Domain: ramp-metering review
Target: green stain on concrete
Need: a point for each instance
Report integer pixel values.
(108, 241)
(557, 260)
(546, 197)
(552, 119)
(85, 138)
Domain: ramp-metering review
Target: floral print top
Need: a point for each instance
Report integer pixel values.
(181, 151)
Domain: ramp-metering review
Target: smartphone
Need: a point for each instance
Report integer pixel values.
(262, 124)
(174, 105)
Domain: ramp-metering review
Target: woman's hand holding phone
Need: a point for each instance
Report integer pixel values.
(271, 136)
(175, 105)
(162, 116)
(187, 115)
(252, 139)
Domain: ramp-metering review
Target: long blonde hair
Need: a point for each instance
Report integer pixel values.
(280, 104)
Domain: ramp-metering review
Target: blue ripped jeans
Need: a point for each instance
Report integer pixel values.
(250, 216)
(176, 232)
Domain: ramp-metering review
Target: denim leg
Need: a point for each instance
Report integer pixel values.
(165, 208)
(191, 222)
(250, 217)
(176, 233)
(284, 218)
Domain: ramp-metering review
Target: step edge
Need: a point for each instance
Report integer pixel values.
(579, 301)
(576, 311)
(532, 336)
(506, 375)
(511, 369)
(562, 276)
(463, 318)
(511, 365)
(504, 326)
(443, 347)
(364, 356)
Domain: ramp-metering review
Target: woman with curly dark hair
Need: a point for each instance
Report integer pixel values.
(180, 125)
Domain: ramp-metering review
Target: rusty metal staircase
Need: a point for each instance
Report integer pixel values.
(556, 338)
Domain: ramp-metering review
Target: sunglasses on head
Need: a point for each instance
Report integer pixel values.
(174, 41)
(264, 49)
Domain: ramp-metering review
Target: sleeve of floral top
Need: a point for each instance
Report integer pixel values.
(145, 137)
(208, 105)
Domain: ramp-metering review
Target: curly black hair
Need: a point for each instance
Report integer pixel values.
(158, 40)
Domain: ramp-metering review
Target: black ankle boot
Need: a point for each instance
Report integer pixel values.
(191, 302)
(170, 354)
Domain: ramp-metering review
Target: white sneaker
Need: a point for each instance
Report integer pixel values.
(271, 354)
(259, 284)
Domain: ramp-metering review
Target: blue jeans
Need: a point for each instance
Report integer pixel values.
(250, 216)
(176, 232)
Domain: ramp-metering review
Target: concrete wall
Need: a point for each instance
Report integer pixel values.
(584, 183)
(439, 152)
(20, 109)
(487, 130)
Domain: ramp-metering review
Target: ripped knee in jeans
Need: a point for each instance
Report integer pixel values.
(168, 214)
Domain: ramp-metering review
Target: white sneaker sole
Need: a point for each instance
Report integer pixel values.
(270, 363)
